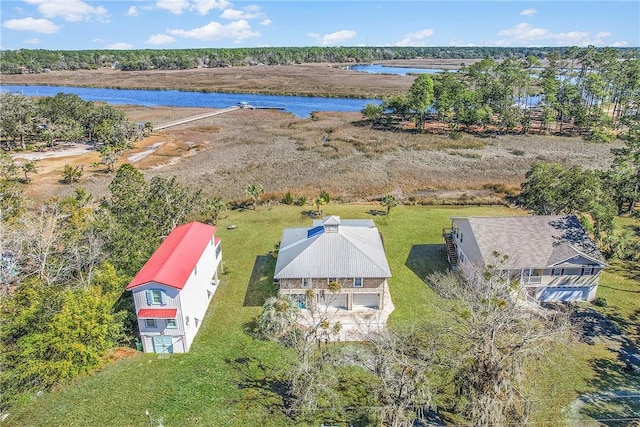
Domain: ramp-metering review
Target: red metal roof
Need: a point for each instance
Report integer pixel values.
(157, 313)
(172, 263)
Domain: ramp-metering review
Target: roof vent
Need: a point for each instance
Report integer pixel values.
(331, 223)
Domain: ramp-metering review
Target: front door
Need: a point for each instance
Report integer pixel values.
(162, 344)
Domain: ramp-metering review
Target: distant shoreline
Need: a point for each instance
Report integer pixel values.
(325, 80)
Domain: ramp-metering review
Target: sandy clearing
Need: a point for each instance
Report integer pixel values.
(134, 158)
(63, 150)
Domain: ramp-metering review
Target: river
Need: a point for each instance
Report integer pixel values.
(300, 106)
(401, 71)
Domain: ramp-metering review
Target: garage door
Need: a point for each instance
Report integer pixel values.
(366, 300)
(565, 294)
(334, 300)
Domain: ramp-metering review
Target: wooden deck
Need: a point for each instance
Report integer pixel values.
(194, 118)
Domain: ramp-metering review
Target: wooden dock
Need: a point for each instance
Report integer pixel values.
(194, 118)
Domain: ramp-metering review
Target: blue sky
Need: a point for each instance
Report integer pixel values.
(160, 24)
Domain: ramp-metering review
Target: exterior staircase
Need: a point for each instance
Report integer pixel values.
(450, 247)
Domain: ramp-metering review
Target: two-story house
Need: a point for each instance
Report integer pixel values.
(348, 253)
(552, 256)
(172, 291)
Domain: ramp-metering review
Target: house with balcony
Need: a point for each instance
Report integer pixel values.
(553, 257)
(335, 253)
(171, 292)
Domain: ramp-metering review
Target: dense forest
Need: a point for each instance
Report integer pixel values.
(37, 61)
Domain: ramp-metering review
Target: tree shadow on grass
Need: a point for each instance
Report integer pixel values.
(262, 385)
(615, 403)
(627, 269)
(261, 284)
(425, 259)
(616, 380)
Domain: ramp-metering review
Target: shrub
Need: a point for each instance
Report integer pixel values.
(456, 136)
(602, 134)
(71, 174)
(600, 302)
(287, 199)
(302, 200)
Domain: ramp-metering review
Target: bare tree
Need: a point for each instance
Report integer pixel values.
(496, 333)
(312, 384)
(401, 360)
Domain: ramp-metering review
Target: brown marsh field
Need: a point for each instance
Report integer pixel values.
(336, 152)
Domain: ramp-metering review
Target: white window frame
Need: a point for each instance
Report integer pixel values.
(332, 279)
(355, 282)
(157, 297)
(306, 282)
(150, 323)
(172, 324)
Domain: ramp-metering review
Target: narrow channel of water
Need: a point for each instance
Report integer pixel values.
(301, 106)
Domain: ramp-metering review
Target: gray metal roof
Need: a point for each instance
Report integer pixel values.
(533, 241)
(354, 250)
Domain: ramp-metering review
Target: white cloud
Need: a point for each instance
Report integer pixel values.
(249, 12)
(33, 41)
(528, 12)
(173, 6)
(524, 34)
(200, 6)
(160, 39)
(204, 6)
(620, 43)
(70, 10)
(43, 26)
(98, 40)
(266, 22)
(418, 38)
(237, 31)
(133, 11)
(120, 46)
(333, 38)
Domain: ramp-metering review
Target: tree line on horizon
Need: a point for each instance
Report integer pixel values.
(42, 60)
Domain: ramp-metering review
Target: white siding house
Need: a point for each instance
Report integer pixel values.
(551, 255)
(172, 291)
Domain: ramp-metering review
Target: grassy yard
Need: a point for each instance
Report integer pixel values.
(230, 378)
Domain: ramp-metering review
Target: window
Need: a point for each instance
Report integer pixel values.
(209, 294)
(171, 324)
(587, 271)
(218, 250)
(557, 271)
(156, 297)
(332, 279)
(186, 320)
(195, 270)
(197, 321)
(150, 323)
(306, 282)
(357, 282)
(461, 235)
(300, 300)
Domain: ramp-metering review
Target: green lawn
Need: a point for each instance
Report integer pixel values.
(229, 379)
